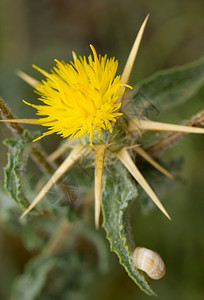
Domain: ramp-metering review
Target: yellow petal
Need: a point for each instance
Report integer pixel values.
(127, 161)
(100, 151)
(27, 78)
(138, 124)
(75, 154)
(148, 158)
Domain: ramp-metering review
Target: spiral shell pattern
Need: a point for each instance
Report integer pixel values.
(150, 262)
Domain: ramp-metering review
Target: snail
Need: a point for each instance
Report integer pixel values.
(150, 262)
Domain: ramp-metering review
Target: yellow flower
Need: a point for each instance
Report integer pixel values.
(80, 97)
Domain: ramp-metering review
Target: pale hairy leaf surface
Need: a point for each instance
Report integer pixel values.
(118, 195)
(15, 167)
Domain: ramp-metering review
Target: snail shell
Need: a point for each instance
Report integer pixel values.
(150, 262)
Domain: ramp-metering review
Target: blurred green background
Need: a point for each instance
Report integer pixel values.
(38, 31)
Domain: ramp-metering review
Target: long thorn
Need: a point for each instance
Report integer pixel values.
(133, 53)
(27, 78)
(59, 151)
(125, 158)
(138, 124)
(153, 162)
(100, 151)
(75, 154)
(23, 121)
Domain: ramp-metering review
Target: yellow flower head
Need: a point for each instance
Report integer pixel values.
(80, 97)
(83, 96)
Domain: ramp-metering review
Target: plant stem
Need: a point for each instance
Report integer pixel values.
(59, 237)
(6, 114)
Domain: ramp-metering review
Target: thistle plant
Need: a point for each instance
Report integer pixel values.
(97, 112)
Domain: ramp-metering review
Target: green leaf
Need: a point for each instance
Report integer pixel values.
(30, 284)
(118, 194)
(169, 88)
(65, 275)
(13, 170)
